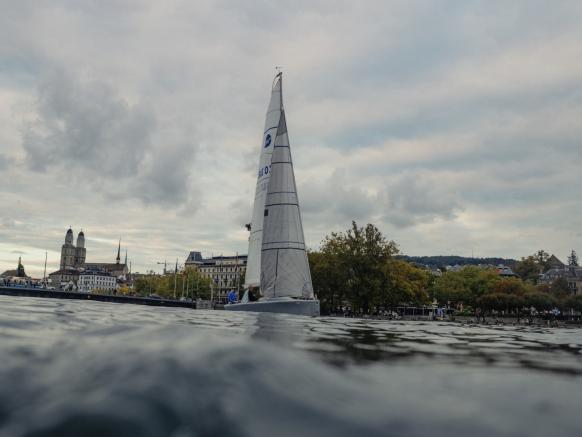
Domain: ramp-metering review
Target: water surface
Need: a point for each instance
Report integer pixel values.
(77, 368)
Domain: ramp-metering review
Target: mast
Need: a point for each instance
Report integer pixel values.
(44, 274)
(253, 271)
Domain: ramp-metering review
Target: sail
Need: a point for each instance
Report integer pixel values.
(252, 275)
(284, 264)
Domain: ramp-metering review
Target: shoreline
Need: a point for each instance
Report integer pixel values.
(55, 294)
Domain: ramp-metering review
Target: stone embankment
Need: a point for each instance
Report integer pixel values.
(55, 294)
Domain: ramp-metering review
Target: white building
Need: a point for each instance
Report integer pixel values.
(93, 280)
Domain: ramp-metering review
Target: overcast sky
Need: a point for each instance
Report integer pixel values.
(454, 126)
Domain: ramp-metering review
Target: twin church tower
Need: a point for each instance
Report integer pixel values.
(72, 256)
(75, 257)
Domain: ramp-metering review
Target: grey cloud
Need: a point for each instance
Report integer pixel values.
(431, 110)
(336, 200)
(85, 129)
(7, 222)
(88, 126)
(165, 176)
(5, 161)
(412, 199)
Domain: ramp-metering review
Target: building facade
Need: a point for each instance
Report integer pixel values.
(73, 264)
(65, 278)
(572, 274)
(90, 280)
(225, 272)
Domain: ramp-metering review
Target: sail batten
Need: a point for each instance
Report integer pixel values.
(284, 265)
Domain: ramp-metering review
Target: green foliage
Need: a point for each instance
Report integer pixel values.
(559, 288)
(189, 280)
(573, 259)
(539, 300)
(529, 269)
(466, 285)
(358, 267)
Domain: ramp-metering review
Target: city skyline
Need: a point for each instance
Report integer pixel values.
(455, 128)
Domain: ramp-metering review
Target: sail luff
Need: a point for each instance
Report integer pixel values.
(252, 276)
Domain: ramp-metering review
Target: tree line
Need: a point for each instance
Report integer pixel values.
(188, 282)
(363, 269)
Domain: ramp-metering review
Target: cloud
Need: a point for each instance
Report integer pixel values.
(450, 126)
(86, 125)
(414, 198)
(335, 199)
(5, 161)
(84, 129)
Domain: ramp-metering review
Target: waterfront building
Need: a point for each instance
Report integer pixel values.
(17, 276)
(73, 263)
(64, 276)
(117, 269)
(225, 272)
(91, 280)
(572, 274)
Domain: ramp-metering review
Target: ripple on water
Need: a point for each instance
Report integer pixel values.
(86, 368)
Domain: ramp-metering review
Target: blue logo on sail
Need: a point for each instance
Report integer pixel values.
(267, 140)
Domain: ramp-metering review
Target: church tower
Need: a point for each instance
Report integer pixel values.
(80, 251)
(68, 251)
(118, 259)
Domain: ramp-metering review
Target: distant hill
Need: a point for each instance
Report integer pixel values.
(451, 260)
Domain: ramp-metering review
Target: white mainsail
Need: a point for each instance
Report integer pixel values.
(253, 271)
(284, 265)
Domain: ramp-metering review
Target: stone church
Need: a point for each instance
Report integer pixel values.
(73, 262)
(73, 256)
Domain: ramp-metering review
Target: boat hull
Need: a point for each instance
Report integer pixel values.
(286, 306)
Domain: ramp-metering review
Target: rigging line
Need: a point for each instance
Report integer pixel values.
(276, 272)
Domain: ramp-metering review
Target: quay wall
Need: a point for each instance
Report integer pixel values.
(55, 294)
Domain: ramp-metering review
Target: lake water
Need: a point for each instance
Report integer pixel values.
(77, 368)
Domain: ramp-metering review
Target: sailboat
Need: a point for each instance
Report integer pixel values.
(277, 261)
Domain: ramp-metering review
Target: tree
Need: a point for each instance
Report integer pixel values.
(560, 288)
(466, 285)
(542, 257)
(189, 279)
(451, 287)
(357, 266)
(574, 302)
(528, 269)
(573, 259)
(404, 283)
(511, 286)
(539, 300)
